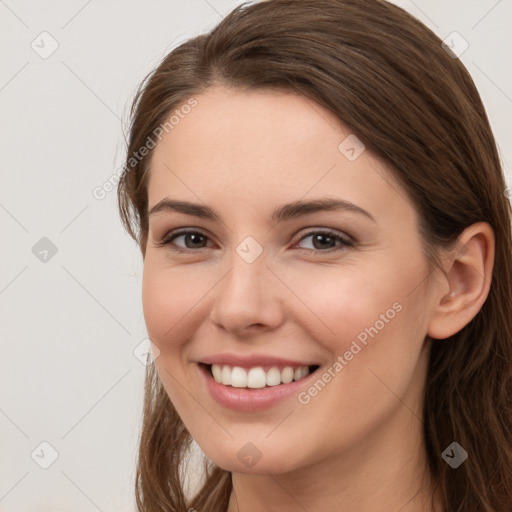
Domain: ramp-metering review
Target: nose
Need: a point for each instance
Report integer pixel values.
(247, 300)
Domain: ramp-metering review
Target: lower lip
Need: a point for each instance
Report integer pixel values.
(249, 400)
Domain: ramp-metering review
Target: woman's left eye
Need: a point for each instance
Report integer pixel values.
(321, 240)
(321, 237)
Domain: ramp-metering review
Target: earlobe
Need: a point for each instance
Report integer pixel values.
(468, 275)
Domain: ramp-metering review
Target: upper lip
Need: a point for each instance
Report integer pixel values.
(252, 361)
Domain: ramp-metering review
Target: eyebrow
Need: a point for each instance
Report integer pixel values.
(283, 213)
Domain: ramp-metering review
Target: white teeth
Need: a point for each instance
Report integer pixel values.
(257, 377)
(238, 377)
(226, 375)
(287, 374)
(273, 377)
(217, 373)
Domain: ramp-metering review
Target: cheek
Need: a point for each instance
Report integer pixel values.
(169, 298)
(337, 304)
(374, 317)
(379, 330)
(158, 303)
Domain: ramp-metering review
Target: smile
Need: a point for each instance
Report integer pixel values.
(254, 387)
(259, 376)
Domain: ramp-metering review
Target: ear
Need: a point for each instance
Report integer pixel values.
(468, 275)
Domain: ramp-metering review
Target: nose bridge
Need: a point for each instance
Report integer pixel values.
(245, 296)
(249, 250)
(248, 264)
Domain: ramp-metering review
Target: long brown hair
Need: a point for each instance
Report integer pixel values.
(388, 78)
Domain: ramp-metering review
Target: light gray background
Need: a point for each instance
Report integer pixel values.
(69, 325)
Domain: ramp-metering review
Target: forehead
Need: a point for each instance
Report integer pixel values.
(251, 125)
(265, 146)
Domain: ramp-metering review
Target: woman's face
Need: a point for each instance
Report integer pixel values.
(343, 290)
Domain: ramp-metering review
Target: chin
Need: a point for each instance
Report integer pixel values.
(243, 456)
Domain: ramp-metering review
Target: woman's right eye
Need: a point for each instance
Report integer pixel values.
(194, 237)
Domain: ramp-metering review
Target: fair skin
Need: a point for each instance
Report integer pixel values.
(358, 443)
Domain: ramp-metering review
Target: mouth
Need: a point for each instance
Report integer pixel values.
(257, 377)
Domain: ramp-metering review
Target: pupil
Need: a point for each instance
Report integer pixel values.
(194, 237)
(322, 237)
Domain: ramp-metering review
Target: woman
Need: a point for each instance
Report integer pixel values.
(326, 238)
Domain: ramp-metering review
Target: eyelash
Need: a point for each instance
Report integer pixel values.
(170, 237)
